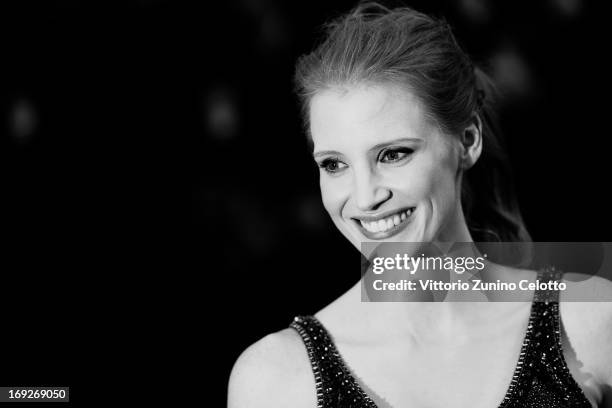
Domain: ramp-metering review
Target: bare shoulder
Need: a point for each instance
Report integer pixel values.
(273, 372)
(587, 321)
(581, 287)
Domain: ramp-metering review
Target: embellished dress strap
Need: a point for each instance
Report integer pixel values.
(335, 385)
(542, 377)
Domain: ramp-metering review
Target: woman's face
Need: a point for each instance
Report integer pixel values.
(386, 172)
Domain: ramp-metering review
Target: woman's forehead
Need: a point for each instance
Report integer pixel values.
(365, 114)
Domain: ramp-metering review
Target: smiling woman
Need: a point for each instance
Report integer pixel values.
(382, 161)
(402, 128)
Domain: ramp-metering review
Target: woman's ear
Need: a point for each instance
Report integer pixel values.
(471, 143)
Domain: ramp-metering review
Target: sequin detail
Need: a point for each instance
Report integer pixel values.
(541, 378)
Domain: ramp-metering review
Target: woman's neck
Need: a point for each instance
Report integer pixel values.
(456, 229)
(426, 321)
(433, 317)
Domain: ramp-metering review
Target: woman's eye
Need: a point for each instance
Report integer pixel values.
(332, 165)
(394, 155)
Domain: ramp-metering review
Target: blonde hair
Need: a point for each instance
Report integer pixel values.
(375, 44)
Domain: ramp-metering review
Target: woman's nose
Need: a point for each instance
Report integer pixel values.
(369, 193)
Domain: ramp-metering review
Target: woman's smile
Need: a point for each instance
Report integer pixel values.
(384, 225)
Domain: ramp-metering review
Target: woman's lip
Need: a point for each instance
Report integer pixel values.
(390, 232)
(378, 217)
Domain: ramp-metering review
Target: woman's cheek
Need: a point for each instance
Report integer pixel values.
(331, 196)
(335, 195)
(414, 183)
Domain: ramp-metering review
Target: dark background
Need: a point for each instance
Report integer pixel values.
(158, 187)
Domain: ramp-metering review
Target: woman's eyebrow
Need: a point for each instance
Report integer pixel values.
(390, 142)
(325, 153)
(375, 147)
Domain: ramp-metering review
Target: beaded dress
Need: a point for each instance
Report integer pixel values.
(541, 378)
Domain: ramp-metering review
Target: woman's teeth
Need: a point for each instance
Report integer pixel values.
(387, 223)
